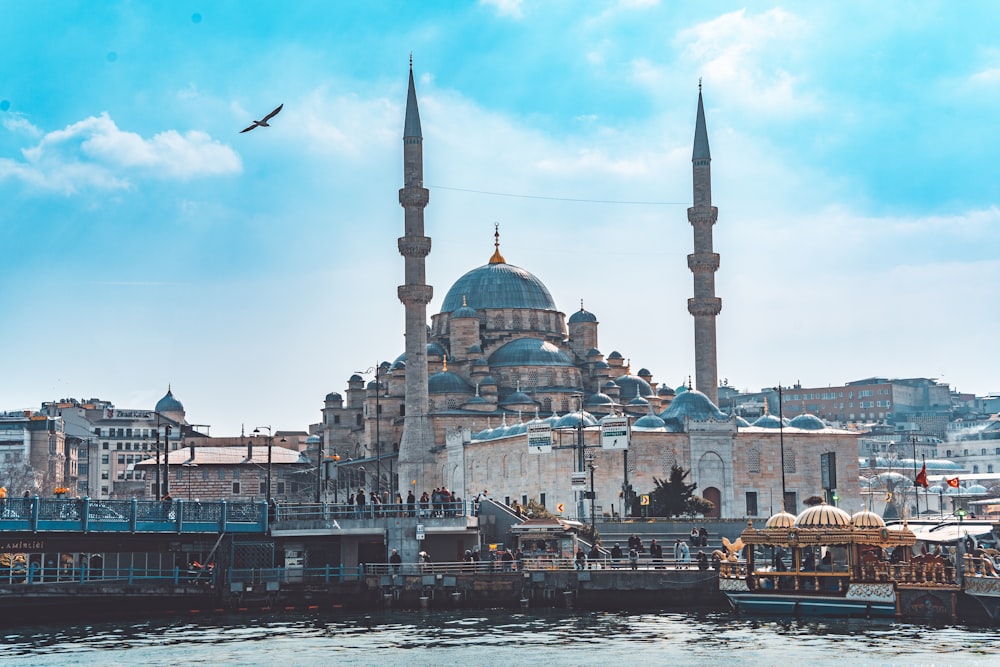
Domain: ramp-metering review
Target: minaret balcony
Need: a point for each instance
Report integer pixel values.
(415, 294)
(414, 246)
(414, 196)
(705, 306)
(703, 262)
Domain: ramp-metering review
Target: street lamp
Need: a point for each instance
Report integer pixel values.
(166, 461)
(781, 440)
(270, 441)
(916, 491)
(593, 496)
(377, 370)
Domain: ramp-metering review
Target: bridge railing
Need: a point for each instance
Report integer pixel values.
(38, 574)
(343, 511)
(291, 575)
(132, 515)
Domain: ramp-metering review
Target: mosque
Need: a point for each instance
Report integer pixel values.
(455, 408)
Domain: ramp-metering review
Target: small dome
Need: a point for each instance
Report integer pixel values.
(475, 349)
(644, 373)
(168, 403)
(598, 399)
(593, 352)
(488, 381)
(518, 398)
(582, 316)
(615, 354)
(434, 350)
(808, 422)
(649, 422)
(781, 520)
(867, 520)
(695, 406)
(741, 422)
(448, 383)
(665, 391)
(314, 440)
(638, 402)
(355, 378)
(465, 313)
(632, 386)
(767, 421)
(823, 516)
(976, 490)
(573, 419)
(334, 396)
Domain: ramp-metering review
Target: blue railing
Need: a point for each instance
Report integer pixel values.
(86, 515)
(18, 572)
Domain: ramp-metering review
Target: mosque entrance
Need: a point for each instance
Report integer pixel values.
(714, 496)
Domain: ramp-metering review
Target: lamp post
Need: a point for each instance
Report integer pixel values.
(270, 441)
(166, 460)
(593, 497)
(916, 491)
(377, 370)
(781, 441)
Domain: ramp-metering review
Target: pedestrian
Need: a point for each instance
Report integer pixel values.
(616, 555)
(703, 536)
(396, 560)
(411, 503)
(581, 559)
(695, 536)
(633, 558)
(656, 552)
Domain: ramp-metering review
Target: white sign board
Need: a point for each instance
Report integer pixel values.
(420, 532)
(578, 482)
(539, 438)
(614, 433)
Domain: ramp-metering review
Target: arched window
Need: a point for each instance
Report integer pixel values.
(516, 321)
(533, 382)
(498, 321)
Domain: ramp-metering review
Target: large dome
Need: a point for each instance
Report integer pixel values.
(498, 285)
(169, 404)
(529, 352)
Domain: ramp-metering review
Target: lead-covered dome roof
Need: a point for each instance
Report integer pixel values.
(498, 285)
(694, 405)
(529, 352)
(807, 422)
(632, 386)
(447, 382)
(582, 316)
(168, 403)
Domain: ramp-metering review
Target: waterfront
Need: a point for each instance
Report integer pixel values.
(550, 638)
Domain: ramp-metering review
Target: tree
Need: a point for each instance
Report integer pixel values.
(675, 497)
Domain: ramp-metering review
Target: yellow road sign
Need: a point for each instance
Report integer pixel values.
(644, 499)
(560, 507)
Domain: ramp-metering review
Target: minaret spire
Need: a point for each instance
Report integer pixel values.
(415, 459)
(703, 262)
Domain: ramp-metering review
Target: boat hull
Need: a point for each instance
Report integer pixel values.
(778, 604)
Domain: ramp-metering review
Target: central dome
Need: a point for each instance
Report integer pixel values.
(498, 285)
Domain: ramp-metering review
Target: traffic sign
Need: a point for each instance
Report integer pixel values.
(644, 499)
(614, 433)
(560, 507)
(539, 438)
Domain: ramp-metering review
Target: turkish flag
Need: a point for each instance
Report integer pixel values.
(921, 479)
(953, 482)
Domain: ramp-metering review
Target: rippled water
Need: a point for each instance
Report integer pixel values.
(540, 638)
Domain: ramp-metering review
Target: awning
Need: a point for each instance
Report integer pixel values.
(950, 532)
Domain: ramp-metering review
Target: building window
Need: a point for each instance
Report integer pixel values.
(975, 470)
(336, 419)
(751, 503)
(498, 322)
(236, 488)
(753, 461)
(789, 462)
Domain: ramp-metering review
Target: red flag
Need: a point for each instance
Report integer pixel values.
(921, 479)
(953, 482)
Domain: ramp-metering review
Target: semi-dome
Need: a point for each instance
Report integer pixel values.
(168, 403)
(695, 406)
(447, 382)
(781, 520)
(529, 352)
(498, 285)
(807, 422)
(867, 519)
(582, 316)
(823, 516)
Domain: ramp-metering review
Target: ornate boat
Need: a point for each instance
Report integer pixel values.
(825, 562)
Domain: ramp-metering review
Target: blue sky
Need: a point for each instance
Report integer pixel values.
(146, 242)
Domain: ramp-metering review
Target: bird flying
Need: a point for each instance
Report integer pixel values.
(263, 121)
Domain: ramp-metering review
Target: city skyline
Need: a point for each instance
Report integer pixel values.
(149, 243)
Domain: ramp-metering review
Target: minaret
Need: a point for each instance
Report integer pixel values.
(415, 459)
(703, 263)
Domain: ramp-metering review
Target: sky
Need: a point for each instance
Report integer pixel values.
(147, 243)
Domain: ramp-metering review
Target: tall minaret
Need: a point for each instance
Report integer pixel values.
(703, 263)
(415, 459)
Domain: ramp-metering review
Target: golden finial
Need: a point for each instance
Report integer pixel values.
(445, 370)
(464, 304)
(497, 258)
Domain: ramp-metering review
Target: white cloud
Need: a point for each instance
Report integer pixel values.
(94, 152)
(737, 52)
(511, 8)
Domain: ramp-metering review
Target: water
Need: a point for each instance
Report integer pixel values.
(455, 639)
